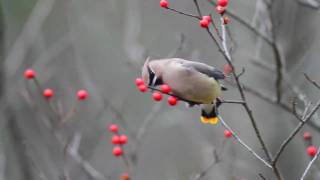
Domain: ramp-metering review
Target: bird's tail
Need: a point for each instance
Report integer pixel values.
(209, 113)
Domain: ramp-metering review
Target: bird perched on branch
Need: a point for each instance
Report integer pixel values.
(194, 82)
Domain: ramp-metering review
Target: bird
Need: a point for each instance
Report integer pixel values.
(194, 82)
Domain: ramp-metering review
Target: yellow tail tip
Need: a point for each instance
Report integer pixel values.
(213, 120)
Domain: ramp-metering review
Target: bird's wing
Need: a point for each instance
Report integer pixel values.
(204, 69)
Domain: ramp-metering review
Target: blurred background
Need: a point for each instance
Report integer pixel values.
(100, 46)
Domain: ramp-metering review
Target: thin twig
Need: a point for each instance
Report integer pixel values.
(243, 143)
(241, 73)
(294, 132)
(312, 81)
(234, 16)
(310, 164)
(262, 177)
(183, 13)
(212, 163)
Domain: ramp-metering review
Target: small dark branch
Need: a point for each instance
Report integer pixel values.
(262, 177)
(294, 109)
(279, 67)
(215, 40)
(294, 132)
(241, 73)
(310, 164)
(178, 97)
(311, 81)
(216, 28)
(215, 160)
(198, 7)
(183, 13)
(233, 43)
(231, 102)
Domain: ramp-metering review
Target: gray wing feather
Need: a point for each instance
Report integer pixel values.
(204, 69)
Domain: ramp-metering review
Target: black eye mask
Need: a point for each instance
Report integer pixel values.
(151, 79)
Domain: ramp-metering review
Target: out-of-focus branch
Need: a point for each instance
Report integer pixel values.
(298, 92)
(183, 13)
(215, 160)
(313, 4)
(72, 150)
(27, 36)
(310, 164)
(294, 132)
(312, 81)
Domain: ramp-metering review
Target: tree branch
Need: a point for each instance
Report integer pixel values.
(310, 164)
(294, 132)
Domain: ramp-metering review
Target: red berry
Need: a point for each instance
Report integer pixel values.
(223, 3)
(307, 136)
(157, 96)
(165, 88)
(48, 93)
(172, 101)
(227, 133)
(82, 94)
(204, 23)
(220, 9)
(226, 20)
(143, 88)
(312, 151)
(139, 81)
(208, 18)
(114, 128)
(123, 139)
(117, 151)
(29, 74)
(125, 176)
(164, 3)
(227, 69)
(115, 139)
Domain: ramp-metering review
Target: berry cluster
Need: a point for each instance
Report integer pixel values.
(48, 93)
(118, 140)
(205, 21)
(311, 149)
(157, 94)
(221, 9)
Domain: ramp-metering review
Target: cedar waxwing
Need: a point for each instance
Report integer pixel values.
(193, 81)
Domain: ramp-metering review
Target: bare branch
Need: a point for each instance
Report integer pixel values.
(215, 160)
(310, 164)
(241, 73)
(294, 132)
(311, 81)
(313, 4)
(183, 13)
(234, 16)
(262, 177)
(243, 143)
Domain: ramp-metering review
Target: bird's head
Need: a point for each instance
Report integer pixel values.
(151, 73)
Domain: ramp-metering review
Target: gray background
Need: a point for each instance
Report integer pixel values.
(100, 45)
